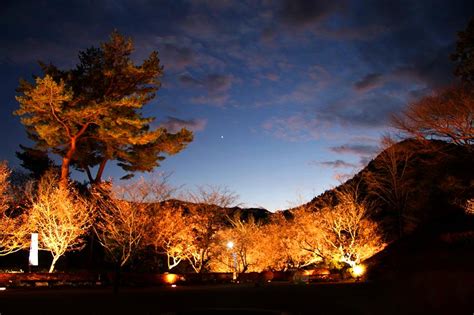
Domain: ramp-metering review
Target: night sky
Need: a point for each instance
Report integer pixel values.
(285, 97)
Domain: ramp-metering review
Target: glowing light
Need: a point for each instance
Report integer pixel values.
(173, 285)
(171, 278)
(3, 288)
(230, 244)
(358, 270)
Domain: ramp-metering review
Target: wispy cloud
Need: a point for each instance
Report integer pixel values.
(359, 149)
(213, 82)
(216, 88)
(218, 100)
(365, 152)
(177, 57)
(369, 82)
(294, 128)
(174, 124)
(302, 12)
(335, 164)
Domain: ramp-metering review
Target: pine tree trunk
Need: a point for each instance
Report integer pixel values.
(100, 171)
(66, 162)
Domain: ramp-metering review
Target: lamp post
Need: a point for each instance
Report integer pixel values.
(230, 246)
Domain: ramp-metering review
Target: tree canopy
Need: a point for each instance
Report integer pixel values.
(92, 114)
(37, 162)
(445, 115)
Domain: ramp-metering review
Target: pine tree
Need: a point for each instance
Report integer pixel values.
(37, 162)
(92, 113)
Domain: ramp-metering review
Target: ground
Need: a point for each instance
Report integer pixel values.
(275, 298)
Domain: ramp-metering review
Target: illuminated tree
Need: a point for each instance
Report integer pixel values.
(122, 222)
(51, 121)
(281, 243)
(245, 238)
(13, 228)
(206, 218)
(445, 115)
(129, 218)
(169, 233)
(93, 114)
(277, 246)
(60, 217)
(307, 237)
(349, 234)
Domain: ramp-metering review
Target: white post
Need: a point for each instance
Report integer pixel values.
(33, 258)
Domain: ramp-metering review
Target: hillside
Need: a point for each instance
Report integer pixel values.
(259, 214)
(436, 177)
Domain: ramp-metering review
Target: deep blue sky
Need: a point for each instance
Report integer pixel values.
(285, 97)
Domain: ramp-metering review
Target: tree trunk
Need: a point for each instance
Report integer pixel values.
(88, 172)
(118, 273)
(53, 263)
(100, 171)
(66, 162)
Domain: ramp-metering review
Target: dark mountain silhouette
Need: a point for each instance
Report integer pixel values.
(259, 214)
(440, 178)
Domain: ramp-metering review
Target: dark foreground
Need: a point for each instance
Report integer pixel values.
(273, 298)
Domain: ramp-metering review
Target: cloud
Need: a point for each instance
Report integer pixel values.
(360, 33)
(416, 47)
(216, 87)
(293, 128)
(271, 76)
(219, 100)
(317, 17)
(215, 4)
(359, 149)
(434, 70)
(369, 82)
(362, 110)
(216, 83)
(173, 124)
(200, 25)
(268, 35)
(177, 57)
(365, 152)
(336, 164)
(213, 83)
(303, 93)
(303, 12)
(188, 80)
